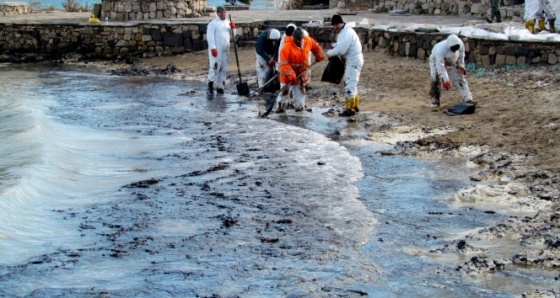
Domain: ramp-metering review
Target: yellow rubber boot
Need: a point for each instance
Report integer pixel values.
(541, 24)
(356, 103)
(350, 103)
(349, 108)
(530, 25)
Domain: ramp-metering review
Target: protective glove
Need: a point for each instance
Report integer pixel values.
(320, 58)
(271, 62)
(232, 25)
(214, 53)
(294, 81)
(447, 85)
(462, 70)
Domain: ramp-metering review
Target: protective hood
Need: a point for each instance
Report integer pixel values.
(453, 40)
(274, 34)
(291, 25)
(290, 29)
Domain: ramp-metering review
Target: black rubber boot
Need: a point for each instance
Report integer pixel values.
(347, 113)
(551, 25)
(211, 87)
(220, 90)
(281, 108)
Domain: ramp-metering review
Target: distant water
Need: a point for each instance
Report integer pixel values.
(255, 5)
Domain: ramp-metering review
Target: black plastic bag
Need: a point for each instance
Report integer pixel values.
(334, 72)
(275, 84)
(461, 108)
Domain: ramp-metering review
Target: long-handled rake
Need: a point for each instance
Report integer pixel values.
(269, 105)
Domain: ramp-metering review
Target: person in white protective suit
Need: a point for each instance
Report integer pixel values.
(447, 66)
(218, 35)
(349, 47)
(266, 52)
(534, 10)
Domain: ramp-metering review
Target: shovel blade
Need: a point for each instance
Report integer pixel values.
(243, 89)
(269, 105)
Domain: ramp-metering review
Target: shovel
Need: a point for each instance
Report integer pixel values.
(269, 105)
(242, 87)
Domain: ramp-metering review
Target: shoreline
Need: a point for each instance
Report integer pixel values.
(516, 178)
(509, 137)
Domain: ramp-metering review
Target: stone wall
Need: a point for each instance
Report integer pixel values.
(437, 7)
(481, 52)
(13, 8)
(22, 42)
(136, 10)
(31, 42)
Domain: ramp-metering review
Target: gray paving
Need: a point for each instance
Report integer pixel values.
(241, 16)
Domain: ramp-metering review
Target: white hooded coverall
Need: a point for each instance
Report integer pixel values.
(349, 47)
(266, 45)
(444, 65)
(218, 35)
(534, 8)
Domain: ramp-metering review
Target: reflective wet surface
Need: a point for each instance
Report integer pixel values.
(147, 186)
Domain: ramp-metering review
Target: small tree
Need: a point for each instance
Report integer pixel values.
(71, 5)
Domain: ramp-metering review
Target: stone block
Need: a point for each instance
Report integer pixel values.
(122, 43)
(407, 49)
(476, 8)
(510, 50)
(421, 54)
(156, 35)
(483, 50)
(173, 40)
(500, 60)
(521, 60)
(195, 35)
(511, 60)
(485, 60)
(492, 50)
(552, 58)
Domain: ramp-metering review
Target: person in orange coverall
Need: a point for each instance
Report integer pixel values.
(294, 65)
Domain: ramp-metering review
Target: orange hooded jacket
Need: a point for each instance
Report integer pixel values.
(294, 60)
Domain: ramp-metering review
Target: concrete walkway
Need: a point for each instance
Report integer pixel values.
(241, 16)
